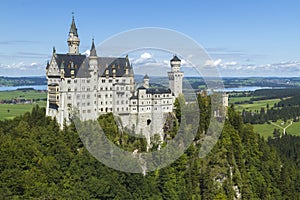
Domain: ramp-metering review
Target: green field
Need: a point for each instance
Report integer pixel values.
(233, 100)
(9, 111)
(266, 130)
(19, 94)
(257, 105)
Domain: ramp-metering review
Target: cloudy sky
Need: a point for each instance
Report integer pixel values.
(243, 38)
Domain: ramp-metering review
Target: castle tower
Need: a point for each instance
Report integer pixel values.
(73, 40)
(175, 76)
(93, 59)
(146, 81)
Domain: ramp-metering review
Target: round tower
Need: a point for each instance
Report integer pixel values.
(175, 76)
(146, 81)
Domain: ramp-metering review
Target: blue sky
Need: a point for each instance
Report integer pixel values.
(244, 38)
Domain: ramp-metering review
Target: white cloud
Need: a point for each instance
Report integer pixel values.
(87, 52)
(213, 63)
(22, 69)
(146, 55)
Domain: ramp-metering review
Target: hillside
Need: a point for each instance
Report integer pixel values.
(40, 161)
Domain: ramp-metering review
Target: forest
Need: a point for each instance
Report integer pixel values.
(41, 161)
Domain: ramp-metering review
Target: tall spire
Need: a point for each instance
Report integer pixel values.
(93, 49)
(73, 28)
(73, 40)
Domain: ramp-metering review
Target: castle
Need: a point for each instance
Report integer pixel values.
(93, 85)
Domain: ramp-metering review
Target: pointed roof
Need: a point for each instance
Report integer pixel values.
(146, 76)
(93, 50)
(73, 28)
(175, 58)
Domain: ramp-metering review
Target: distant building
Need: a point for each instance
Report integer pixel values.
(93, 85)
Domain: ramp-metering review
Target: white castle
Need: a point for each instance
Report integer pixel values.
(92, 86)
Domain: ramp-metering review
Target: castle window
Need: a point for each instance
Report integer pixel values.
(89, 111)
(88, 89)
(75, 81)
(110, 88)
(83, 81)
(83, 96)
(83, 88)
(84, 111)
(110, 81)
(69, 81)
(103, 80)
(106, 95)
(117, 109)
(117, 102)
(99, 95)
(78, 96)
(69, 97)
(88, 96)
(117, 88)
(88, 81)
(101, 88)
(78, 104)
(110, 95)
(69, 105)
(69, 89)
(101, 109)
(88, 103)
(106, 88)
(75, 89)
(95, 102)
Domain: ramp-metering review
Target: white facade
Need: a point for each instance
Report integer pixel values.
(91, 86)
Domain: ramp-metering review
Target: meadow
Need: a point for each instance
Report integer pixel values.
(22, 94)
(256, 105)
(9, 111)
(266, 130)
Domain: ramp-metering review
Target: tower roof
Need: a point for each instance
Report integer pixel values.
(175, 58)
(93, 50)
(73, 28)
(146, 76)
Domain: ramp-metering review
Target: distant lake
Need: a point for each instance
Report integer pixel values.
(36, 87)
(247, 88)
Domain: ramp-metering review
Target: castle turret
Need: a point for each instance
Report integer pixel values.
(175, 76)
(93, 59)
(73, 40)
(146, 81)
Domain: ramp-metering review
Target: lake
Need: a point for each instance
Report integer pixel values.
(36, 87)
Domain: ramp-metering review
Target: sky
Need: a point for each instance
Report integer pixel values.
(243, 38)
